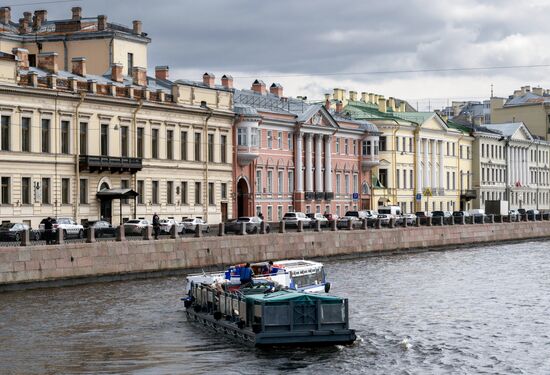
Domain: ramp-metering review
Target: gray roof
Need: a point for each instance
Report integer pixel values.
(245, 110)
(270, 102)
(506, 129)
(527, 98)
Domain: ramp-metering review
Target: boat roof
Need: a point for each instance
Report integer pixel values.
(288, 295)
(297, 263)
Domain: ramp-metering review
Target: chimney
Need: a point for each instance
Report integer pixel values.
(353, 96)
(101, 22)
(22, 57)
(365, 97)
(5, 15)
(371, 98)
(391, 104)
(161, 72)
(276, 89)
(227, 81)
(338, 94)
(382, 105)
(339, 106)
(259, 87)
(40, 16)
(477, 120)
(327, 101)
(48, 61)
(77, 13)
(139, 76)
(538, 91)
(79, 66)
(23, 25)
(402, 106)
(208, 79)
(116, 73)
(517, 93)
(137, 27)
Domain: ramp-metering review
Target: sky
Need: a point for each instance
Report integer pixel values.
(313, 46)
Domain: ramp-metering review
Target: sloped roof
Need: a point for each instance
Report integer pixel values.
(508, 129)
(527, 98)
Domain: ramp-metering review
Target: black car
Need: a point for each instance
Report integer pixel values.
(102, 228)
(14, 232)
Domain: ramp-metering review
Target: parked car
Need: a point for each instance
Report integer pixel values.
(14, 232)
(411, 218)
(384, 219)
(531, 214)
(354, 216)
(318, 217)
(514, 214)
(69, 227)
(190, 225)
(522, 211)
(446, 215)
(167, 224)
(252, 225)
(292, 219)
(330, 217)
(457, 215)
(423, 214)
(101, 228)
(135, 226)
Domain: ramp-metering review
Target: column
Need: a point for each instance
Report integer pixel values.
(319, 163)
(426, 175)
(514, 165)
(508, 169)
(298, 164)
(419, 184)
(309, 163)
(526, 156)
(521, 167)
(328, 164)
(434, 182)
(441, 169)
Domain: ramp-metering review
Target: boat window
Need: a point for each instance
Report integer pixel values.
(310, 279)
(333, 313)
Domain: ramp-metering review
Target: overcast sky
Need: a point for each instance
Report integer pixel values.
(285, 40)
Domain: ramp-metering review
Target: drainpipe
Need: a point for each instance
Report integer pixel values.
(459, 174)
(394, 169)
(77, 156)
(206, 203)
(134, 126)
(65, 56)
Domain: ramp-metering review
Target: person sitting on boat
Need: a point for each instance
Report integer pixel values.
(246, 274)
(269, 269)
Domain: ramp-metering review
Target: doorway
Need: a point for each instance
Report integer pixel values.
(106, 212)
(223, 207)
(243, 197)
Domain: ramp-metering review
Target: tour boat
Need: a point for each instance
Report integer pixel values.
(261, 317)
(300, 275)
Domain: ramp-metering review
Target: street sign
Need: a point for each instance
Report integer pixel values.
(355, 196)
(418, 197)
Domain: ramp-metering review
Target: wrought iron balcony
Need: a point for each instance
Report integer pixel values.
(111, 164)
(468, 195)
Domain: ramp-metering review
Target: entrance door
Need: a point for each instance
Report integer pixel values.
(242, 198)
(224, 211)
(106, 210)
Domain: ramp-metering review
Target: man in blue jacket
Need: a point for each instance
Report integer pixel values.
(246, 274)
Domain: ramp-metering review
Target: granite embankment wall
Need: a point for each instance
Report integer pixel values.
(29, 265)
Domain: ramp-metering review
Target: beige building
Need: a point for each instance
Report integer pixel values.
(76, 144)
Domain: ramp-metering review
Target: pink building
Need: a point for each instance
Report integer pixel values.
(295, 156)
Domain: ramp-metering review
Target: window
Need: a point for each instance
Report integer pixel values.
(154, 143)
(338, 183)
(346, 182)
(197, 193)
(383, 177)
(210, 148)
(45, 133)
(25, 190)
(411, 147)
(223, 148)
(65, 190)
(25, 134)
(411, 179)
(139, 142)
(290, 181)
(280, 140)
(45, 191)
(461, 152)
(258, 181)
(5, 196)
(169, 144)
(448, 180)
(241, 137)
(346, 146)
(32, 60)
(404, 179)
(83, 193)
(140, 191)
(355, 186)
(183, 145)
(184, 191)
(211, 192)
(269, 139)
(337, 145)
(270, 182)
(280, 182)
(197, 146)
(397, 181)
(355, 147)
(382, 144)
(123, 141)
(64, 137)
(224, 190)
(104, 140)
(155, 192)
(83, 138)
(170, 192)
(269, 213)
(290, 141)
(5, 133)
(130, 63)
(279, 212)
(124, 184)
(454, 181)
(254, 139)
(404, 144)
(397, 147)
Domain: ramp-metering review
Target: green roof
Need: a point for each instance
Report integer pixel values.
(287, 296)
(457, 126)
(366, 111)
(418, 117)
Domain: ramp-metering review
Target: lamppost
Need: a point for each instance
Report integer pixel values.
(506, 149)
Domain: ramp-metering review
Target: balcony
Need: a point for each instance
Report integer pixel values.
(369, 161)
(246, 155)
(109, 163)
(468, 195)
(309, 196)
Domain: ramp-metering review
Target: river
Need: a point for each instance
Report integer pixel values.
(465, 311)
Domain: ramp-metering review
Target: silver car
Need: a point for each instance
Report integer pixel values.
(190, 225)
(135, 226)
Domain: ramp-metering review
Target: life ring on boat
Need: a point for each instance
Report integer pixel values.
(327, 287)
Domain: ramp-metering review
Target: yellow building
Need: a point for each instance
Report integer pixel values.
(425, 162)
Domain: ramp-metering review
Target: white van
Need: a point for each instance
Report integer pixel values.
(394, 211)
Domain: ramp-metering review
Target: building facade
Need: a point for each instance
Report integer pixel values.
(78, 144)
(296, 156)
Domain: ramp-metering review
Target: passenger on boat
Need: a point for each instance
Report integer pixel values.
(269, 269)
(246, 274)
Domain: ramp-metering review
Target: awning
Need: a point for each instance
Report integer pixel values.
(116, 194)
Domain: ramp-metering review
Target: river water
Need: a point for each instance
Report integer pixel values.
(465, 311)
